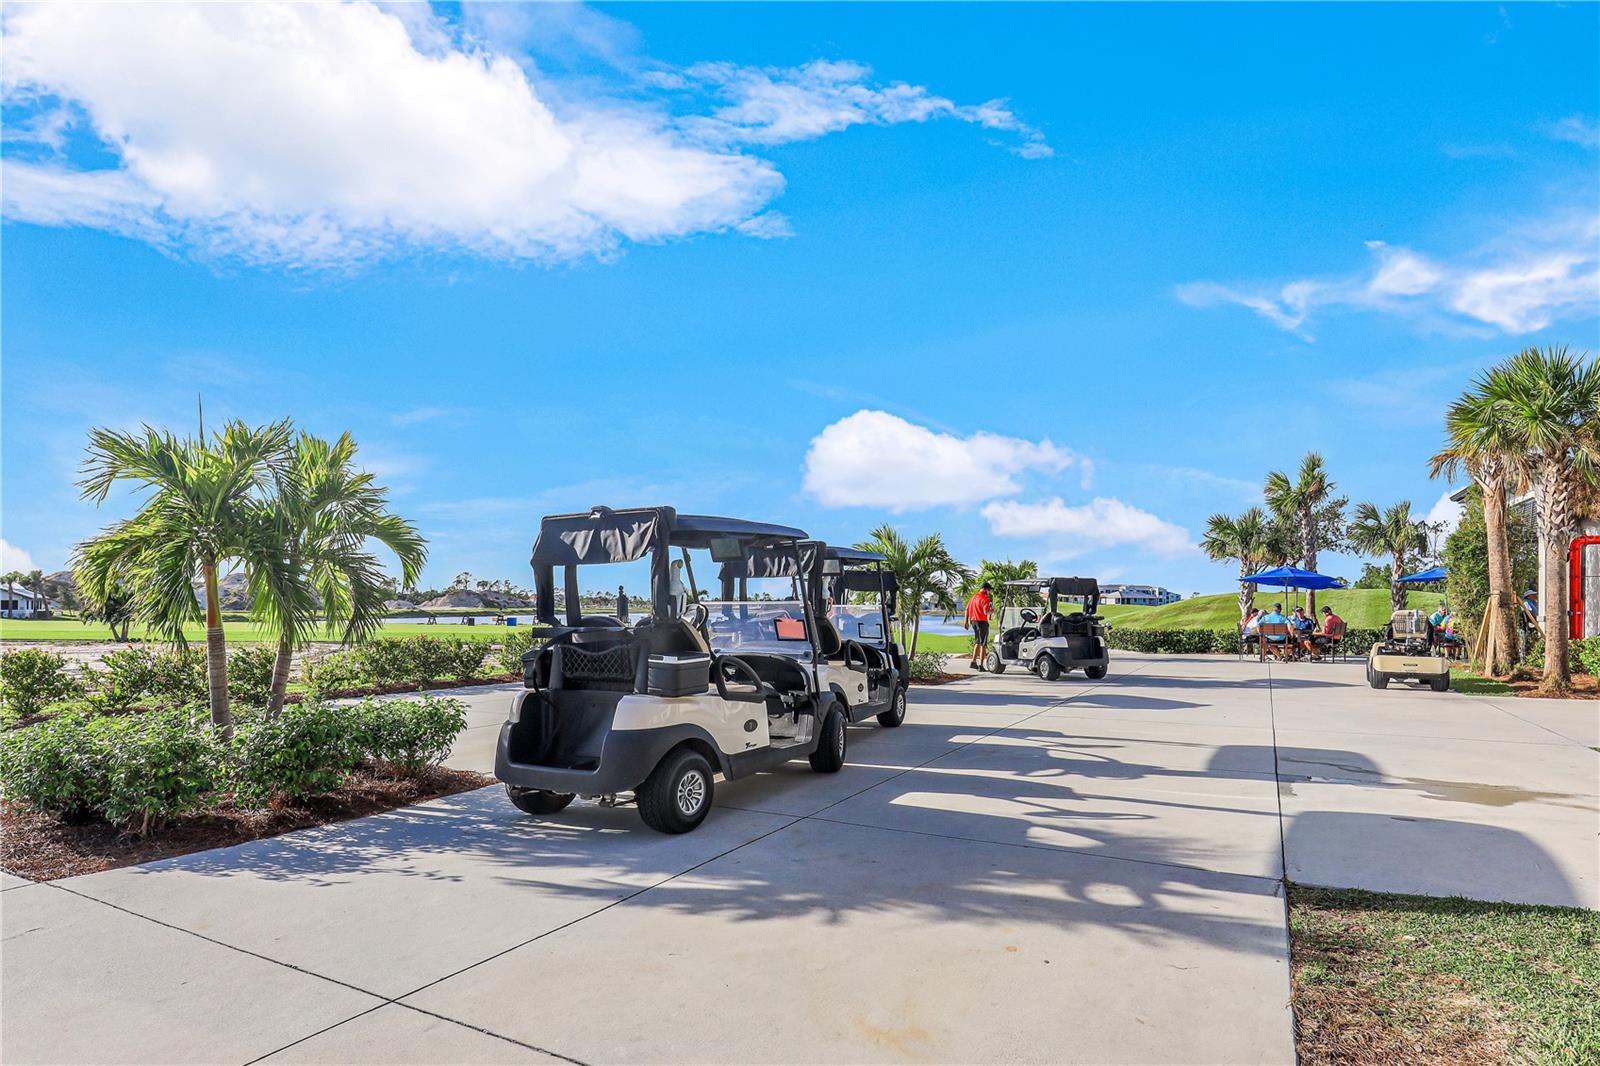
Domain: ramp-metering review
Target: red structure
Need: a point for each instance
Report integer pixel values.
(1575, 584)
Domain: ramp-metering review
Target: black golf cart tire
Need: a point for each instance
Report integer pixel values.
(538, 801)
(1377, 678)
(993, 663)
(829, 756)
(1094, 673)
(658, 796)
(1440, 684)
(896, 713)
(1047, 667)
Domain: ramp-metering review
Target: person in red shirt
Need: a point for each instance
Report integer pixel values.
(979, 608)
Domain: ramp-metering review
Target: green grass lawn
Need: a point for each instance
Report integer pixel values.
(1362, 608)
(21, 629)
(1386, 978)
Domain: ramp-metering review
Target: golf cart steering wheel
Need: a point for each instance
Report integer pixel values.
(726, 668)
(1030, 616)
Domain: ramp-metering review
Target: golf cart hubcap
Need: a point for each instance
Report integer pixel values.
(838, 741)
(691, 792)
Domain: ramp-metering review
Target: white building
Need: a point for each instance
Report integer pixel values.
(1138, 595)
(18, 602)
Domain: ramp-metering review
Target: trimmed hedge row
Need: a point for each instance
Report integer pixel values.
(409, 660)
(140, 770)
(1212, 641)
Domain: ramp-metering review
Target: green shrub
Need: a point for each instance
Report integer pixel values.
(305, 750)
(1211, 641)
(332, 672)
(518, 641)
(32, 679)
(55, 766)
(178, 676)
(125, 678)
(467, 657)
(132, 770)
(1585, 657)
(250, 674)
(157, 765)
(1534, 660)
(926, 666)
(408, 734)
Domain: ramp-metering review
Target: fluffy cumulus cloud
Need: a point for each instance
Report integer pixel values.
(1446, 513)
(14, 558)
(1100, 523)
(321, 134)
(874, 459)
(1520, 283)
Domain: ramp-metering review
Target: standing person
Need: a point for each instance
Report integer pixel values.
(622, 603)
(979, 608)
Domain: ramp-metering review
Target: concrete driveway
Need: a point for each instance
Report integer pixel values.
(1025, 871)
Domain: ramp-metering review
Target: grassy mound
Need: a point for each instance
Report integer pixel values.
(1360, 608)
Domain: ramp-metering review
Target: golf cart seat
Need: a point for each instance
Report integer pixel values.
(830, 644)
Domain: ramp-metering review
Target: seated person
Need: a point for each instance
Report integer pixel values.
(1275, 617)
(1250, 628)
(1300, 628)
(1332, 630)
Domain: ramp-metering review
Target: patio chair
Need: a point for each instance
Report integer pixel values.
(1335, 643)
(1244, 640)
(1270, 632)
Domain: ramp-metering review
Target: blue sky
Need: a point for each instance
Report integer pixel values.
(1056, 281)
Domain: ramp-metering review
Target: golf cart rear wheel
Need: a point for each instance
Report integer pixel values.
(1094, 673)
(677, 795)
(829, 756)
(1377, 678)
(537, 801)
(896, 712)
(1440, 683)
(1047, 666)
(993, 662)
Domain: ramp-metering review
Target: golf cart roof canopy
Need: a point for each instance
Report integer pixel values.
(1061, 586)
(604, 535)
(855, 555)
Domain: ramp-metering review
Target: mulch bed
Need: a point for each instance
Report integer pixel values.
(40, 848)
(945, 679)
(1584, 687)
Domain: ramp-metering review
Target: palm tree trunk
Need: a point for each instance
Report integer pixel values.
(1247, 597)
(216, 656)
(916, 633)
(1500, 651)
(1308, 540)
(280, 676)
(1397, 591)
(1555, 521)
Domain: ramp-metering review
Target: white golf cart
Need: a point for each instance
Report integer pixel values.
(697, 688)
(1051, 644)
(867, 671)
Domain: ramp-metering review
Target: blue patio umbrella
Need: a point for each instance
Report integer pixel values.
(1291, 577)
(1438, 573)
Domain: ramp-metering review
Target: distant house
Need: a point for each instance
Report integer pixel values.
(1137, 595)
(18, 602)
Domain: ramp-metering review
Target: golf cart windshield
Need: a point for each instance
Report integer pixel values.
(776, 626)
(861, 620)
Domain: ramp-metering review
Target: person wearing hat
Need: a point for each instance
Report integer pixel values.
(979, 608)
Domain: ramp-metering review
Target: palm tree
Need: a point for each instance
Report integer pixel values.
(11, 579)
(1477, 442)
(1253, 540)
(202, 512)
(1395, 533)
(1296, 503)
(33, 581)
(1549, 404)
(324, 513)
(997, 572)
(924, 570)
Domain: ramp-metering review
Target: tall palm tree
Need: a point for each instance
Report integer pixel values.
(1395, 532)
(1253, 540)
(924, 570)
(33, 581)
(1296, 503)
(1549, 401)
(997, 572)
(1477, 442)
(325, 512)
(201, 513)
(11, 578)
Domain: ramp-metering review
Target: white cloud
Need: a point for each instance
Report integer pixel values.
(1100, 523)
(874, 459)
(1445, 510)
(318, 135)
(1581, 130)
(768, 105)
(14, 558)
(1520, 283)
